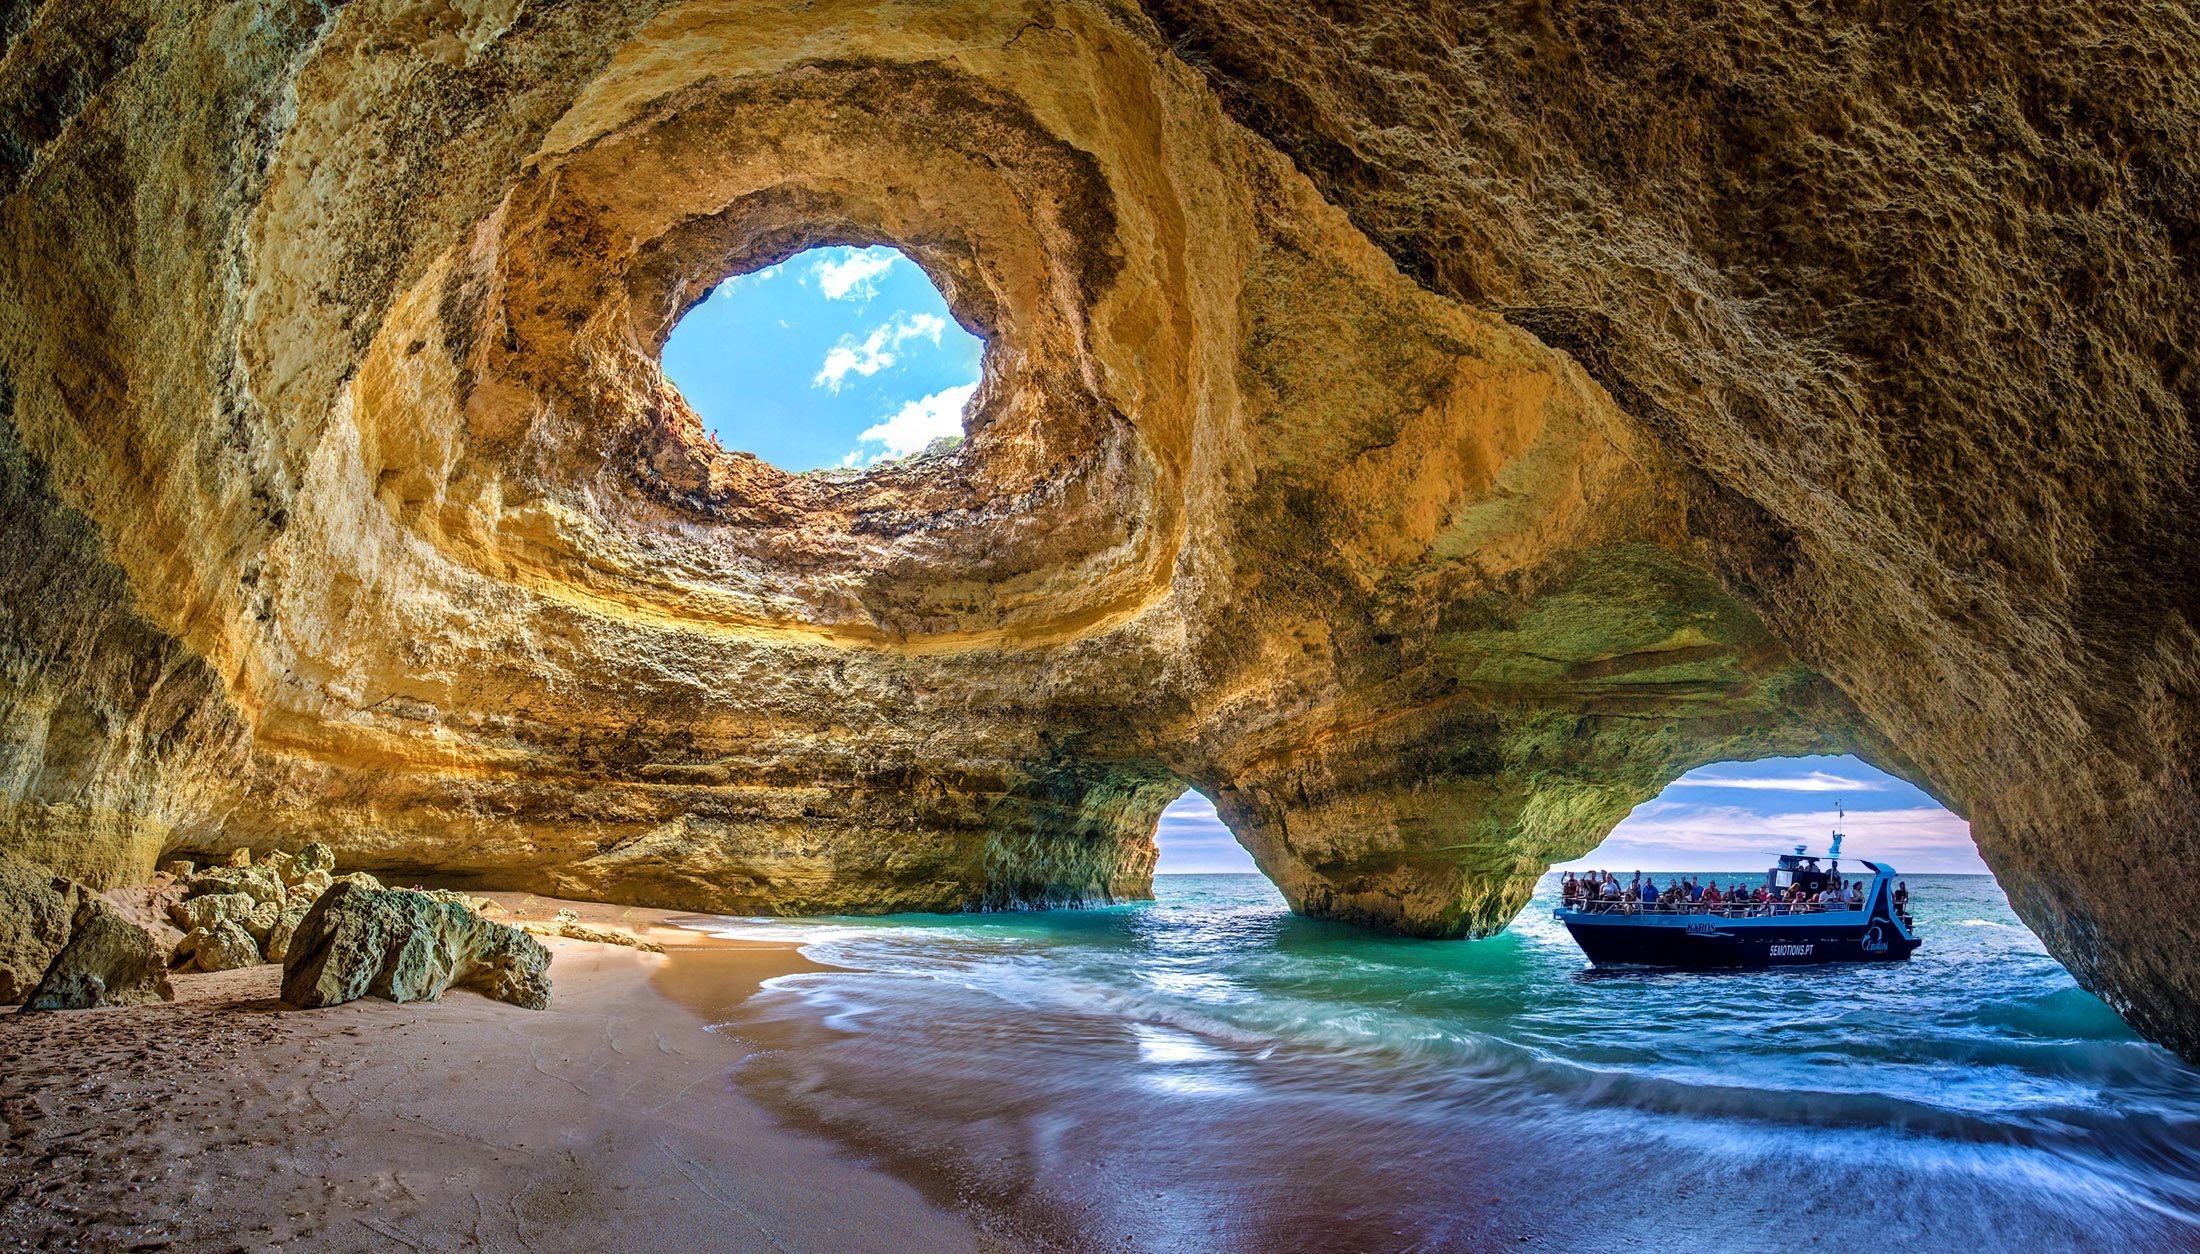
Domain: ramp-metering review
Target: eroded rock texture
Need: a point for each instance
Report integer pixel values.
(1426, 431)
(37, 909)
(401, 945)
(109, 961)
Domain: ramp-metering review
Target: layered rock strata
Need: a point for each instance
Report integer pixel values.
(1428, 433)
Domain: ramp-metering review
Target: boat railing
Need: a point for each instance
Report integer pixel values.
(1721, 909)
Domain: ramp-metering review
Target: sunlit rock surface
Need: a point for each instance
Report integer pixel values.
(1427, 434)
(109, 961)
(37, 910)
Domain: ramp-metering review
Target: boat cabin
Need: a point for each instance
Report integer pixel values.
(1800, 869)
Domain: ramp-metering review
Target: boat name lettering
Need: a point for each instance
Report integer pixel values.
(1792, 951)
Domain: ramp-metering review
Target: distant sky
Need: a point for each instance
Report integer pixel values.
(1194, 842)
(1734, 816)
(834, 357)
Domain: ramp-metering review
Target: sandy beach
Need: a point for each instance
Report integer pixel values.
(227, 1120)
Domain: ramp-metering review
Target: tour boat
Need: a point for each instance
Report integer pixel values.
(1704, 936)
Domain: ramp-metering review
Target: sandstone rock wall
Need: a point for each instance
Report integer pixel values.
(1911, 294)
(1427, 431)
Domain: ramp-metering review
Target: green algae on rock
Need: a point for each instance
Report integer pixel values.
(402, 946)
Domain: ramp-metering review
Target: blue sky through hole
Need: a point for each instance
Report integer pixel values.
(836, 357)
(1731, 816)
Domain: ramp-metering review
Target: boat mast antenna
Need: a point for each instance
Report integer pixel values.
(1840, 820)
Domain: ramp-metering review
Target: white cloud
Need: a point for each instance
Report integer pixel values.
(854, 275)
(876, 351)
(1809, 781)
(913, 326)
(914, 426)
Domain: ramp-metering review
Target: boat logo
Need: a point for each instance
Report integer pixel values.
(1875, 940)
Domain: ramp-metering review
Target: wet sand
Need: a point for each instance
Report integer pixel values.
(608, 1122)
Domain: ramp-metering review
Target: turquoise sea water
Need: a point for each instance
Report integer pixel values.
(1208, 1071)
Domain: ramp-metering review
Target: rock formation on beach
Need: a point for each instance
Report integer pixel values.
(567, 925)
(109, 961)
(62, 947)
(398, 944)
(1428, 431)
(91, 951)
(245, 911)
(36, 910)
(403, 945)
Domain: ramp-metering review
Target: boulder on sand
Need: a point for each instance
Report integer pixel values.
(316, 856)
(277, 945)
(408, 946)
(206, 910)
(109, 961)
(36, 907)
(258, 882)
(225, 946)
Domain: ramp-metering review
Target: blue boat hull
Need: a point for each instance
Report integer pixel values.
(1706, 943)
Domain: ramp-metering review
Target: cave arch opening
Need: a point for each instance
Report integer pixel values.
(836, 358)
(1726, 822)
(1733, 817)
(1190, 838)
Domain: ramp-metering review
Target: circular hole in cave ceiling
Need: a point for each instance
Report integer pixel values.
(838, 358)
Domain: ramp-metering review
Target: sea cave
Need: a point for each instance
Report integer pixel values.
(1422, 433)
